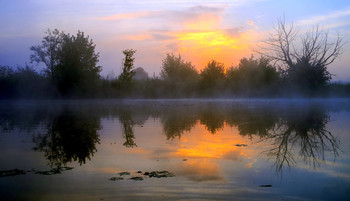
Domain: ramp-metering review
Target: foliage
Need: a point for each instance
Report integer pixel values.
(128, 66)
(123, 83)
(22, 83)
(71, 61)
(253, 77)
(290, 64)
(7, 82)
(77, 71)
(212, 77)
(48, 51)
(180, 76)
(175, 69)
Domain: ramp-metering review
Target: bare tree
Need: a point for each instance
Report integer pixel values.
(301, 55)
(314, 46)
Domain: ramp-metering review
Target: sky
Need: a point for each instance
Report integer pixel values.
(198, 30)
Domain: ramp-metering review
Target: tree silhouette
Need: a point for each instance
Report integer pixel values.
(253, 76)
(77, 70)
(123, 83)
(48, 51)
(180, 76)
(212, 77)
(128, 67)
(71, 61)
(303, 59)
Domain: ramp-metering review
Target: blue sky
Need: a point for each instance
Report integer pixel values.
(198, 30)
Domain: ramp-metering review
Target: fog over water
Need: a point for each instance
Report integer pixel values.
(260, 149)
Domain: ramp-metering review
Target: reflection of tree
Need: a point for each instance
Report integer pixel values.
(213, 120)
(252, 122)
(176, 122)
(70, 137)
(305, 130)
(125, 119)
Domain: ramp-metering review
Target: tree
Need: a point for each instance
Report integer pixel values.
(303, 59)
(71, 61)
(48, 51)
(175, 69)
(77, 70)
(124, 81)
(253, 76)
(180, 76)
(128, 66)
(212, 76)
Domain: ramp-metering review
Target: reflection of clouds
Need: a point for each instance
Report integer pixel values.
(232, 155)
(200, 170)
(163, 153)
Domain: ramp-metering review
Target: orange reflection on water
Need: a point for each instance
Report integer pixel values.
(200, 170)
(202, 143)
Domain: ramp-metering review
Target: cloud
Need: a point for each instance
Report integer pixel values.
(173, 47)
(252, 24)
(128, 16)
(138, 37)
(317, 19)
(173, 16)
(234, 32)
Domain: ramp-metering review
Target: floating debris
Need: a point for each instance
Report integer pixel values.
(14, 172)
(116, 178)
(137, 178)
(53, 171)
(264, 186)
(124, 173)
(159, 174)
(144, 175)
(241, 145)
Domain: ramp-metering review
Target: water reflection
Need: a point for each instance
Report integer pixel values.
(70, 137)
(305, 130)
(293, 130)
(127, 122)
(212, 120)
(175, 122)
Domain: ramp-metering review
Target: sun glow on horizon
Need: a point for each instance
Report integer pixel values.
(205, 40)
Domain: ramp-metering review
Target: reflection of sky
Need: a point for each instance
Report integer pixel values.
(215, 168)
(198, 30)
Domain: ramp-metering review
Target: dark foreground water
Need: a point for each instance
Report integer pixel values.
(202, 150)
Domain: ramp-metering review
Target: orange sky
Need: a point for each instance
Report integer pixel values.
(203, 38)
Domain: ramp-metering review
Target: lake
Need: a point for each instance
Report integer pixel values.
(241, 149)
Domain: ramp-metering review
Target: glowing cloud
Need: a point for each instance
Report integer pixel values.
(204, 40)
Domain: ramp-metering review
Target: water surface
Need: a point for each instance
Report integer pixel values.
(217, 149)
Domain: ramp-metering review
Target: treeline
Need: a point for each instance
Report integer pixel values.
(72, 71)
